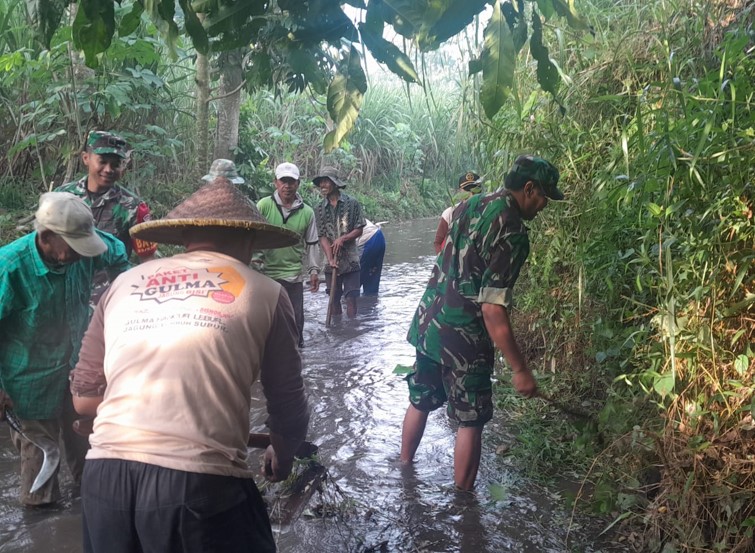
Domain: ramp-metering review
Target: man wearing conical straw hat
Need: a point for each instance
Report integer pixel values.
(167, 365)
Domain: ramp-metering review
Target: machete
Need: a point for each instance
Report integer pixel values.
(49, 448)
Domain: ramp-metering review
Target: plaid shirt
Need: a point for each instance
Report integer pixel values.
(43, 316)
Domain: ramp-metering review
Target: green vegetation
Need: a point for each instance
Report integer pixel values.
(639, 295)
(638, 301)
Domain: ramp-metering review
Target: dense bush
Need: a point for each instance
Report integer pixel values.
(640, 286)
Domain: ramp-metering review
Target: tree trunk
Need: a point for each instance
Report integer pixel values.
(203, 122)
(78, 71)
(229, 108)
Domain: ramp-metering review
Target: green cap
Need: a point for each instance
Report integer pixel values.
(532, 168)
(100, 142)
(224, 168)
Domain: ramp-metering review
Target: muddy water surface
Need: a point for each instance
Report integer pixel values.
(371, 502)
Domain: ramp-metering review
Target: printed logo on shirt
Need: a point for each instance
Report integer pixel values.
(221, 284)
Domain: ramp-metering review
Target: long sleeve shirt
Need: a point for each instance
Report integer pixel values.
(174, 348)
(43, 316)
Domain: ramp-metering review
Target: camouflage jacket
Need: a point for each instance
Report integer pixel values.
(333, 222)
(486, 247)
(115, 211)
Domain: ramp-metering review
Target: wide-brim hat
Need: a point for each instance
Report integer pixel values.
(330, 173)
(217, 204)
(234, 180)
(224, 168)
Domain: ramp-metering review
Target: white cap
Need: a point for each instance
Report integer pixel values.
(287, 170)
(70, 218)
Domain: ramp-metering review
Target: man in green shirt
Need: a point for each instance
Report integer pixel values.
(464, 314)
(286, 208)
(45, 284)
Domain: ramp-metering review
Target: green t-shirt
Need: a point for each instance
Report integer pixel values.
(286, 263)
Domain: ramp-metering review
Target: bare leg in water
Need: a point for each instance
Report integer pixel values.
(411, 435)
(467, 451)
(351, 307)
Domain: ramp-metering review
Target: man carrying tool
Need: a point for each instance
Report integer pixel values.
(115, 208)
(464, 313)
(45, 282)
(339, 224)
(285, 208)
(167, 366)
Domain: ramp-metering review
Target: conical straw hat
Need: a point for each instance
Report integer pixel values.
(217, 204)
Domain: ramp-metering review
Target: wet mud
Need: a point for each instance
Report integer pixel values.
(368, 501)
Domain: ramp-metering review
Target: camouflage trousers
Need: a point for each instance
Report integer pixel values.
(467, 393)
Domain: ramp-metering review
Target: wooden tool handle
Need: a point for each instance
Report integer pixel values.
(261, 441)
(258, 440)
(333, 281)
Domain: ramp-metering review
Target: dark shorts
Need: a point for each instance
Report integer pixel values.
(131, 507)
(347, 284)
(467, 393)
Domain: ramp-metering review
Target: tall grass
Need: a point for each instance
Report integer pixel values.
(401, 160)
(642, 283)
(408, 149)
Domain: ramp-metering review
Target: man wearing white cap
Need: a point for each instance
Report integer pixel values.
(285, 208)
(45, 284)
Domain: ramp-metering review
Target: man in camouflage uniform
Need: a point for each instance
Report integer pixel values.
(463, 315)
(339, 223)
(115, 208)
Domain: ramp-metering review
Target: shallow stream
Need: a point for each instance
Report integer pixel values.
(370, 502)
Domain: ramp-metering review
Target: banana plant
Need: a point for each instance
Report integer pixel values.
(297, 44)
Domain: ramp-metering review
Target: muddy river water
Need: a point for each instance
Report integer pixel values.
(371, 503)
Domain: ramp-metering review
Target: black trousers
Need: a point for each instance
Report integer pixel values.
(295, 292)
(131, 507)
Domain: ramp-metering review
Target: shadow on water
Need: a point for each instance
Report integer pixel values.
(369, 502)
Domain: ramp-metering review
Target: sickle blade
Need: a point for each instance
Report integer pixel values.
(50, 450)
(50, 463)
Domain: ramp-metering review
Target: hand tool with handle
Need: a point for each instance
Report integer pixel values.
(50, 450)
